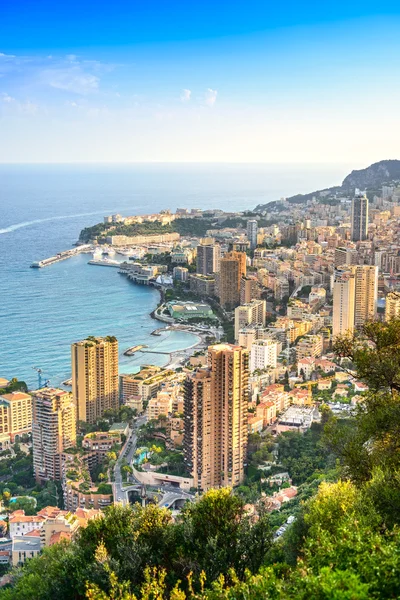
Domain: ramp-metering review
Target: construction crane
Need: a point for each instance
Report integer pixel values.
(309, 385)
(42, 381)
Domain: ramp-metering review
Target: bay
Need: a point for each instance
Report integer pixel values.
(42, 210)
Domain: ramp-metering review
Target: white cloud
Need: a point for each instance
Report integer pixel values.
(72, 79)
(15, 106)
(186, 95)
(2, 55)
(28, 108)
(7, 98)
(71, 57)
(211, 97)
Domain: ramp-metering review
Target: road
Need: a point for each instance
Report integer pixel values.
(127, 452)
(170, 493)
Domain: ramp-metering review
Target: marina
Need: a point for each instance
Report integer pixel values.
(104, 262)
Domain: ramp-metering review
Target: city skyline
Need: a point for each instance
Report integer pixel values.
(212, 84)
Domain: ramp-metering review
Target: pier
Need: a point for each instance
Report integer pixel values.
(131, 351)
(46, 262)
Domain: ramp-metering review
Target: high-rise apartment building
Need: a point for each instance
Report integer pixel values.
(252, 230)
(392, 308)
(359, 217)
(15, 417)
(252, 313)
(345, 256)
(208, 258)
(355, 297)
(366, 293)
(215, 418)
(343, 303)
(232, 269)
(53, 430)
(95, 377)
(249, 289)
(263, 354)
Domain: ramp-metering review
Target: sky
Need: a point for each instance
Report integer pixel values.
(210, 81)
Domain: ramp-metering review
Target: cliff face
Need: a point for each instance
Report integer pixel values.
(374, 176)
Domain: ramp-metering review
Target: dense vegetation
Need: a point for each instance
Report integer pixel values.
(197, 226)
(344, 543)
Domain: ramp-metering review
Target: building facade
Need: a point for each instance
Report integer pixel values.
(343, 303)
(95, 377)
(249, 289)
(392, 308)
(53, 430)
(253, 313)
(215, 418)
(252, 230)
(232, 269)
(208, 259)
(359, 217)
(264, 354)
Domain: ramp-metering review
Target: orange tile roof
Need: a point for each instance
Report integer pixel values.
(58, 536)
(34, 533)
(15, 396)
(26, 519)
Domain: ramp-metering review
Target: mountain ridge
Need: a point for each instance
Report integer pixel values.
(371, 178)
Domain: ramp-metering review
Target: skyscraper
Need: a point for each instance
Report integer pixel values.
(249, 289)
(215, 416)
(208, 258)
(343, 303)
(355, 296)
(232, 268)
(95, 377)
(366, 293)
(359, 217)
(252, 229)
(53, 430)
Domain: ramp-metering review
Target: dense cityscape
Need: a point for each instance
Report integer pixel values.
(289, 301)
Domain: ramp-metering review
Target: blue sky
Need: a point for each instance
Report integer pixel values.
(199, 81)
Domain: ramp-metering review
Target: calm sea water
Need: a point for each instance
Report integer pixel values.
(43, 209)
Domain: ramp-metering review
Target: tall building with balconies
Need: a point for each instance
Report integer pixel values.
(250, 289)
(232, 269)
(53, 430)
(366, 293)
(252, 230)
(208, 258)
(95, 377)
(252, 313)
(359, 217)
(215, 418)
(343, 303)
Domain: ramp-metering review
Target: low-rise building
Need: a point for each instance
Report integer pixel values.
(144, 384)
(189, 310)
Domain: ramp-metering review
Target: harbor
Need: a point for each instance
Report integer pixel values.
(46, 262)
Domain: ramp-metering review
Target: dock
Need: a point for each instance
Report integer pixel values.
(131, 351)
(155, 352)
(46, 262)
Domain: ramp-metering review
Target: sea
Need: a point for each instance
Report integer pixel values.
(42, 210)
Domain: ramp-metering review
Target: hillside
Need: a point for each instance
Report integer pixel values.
(373, 176)
(370, 178)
